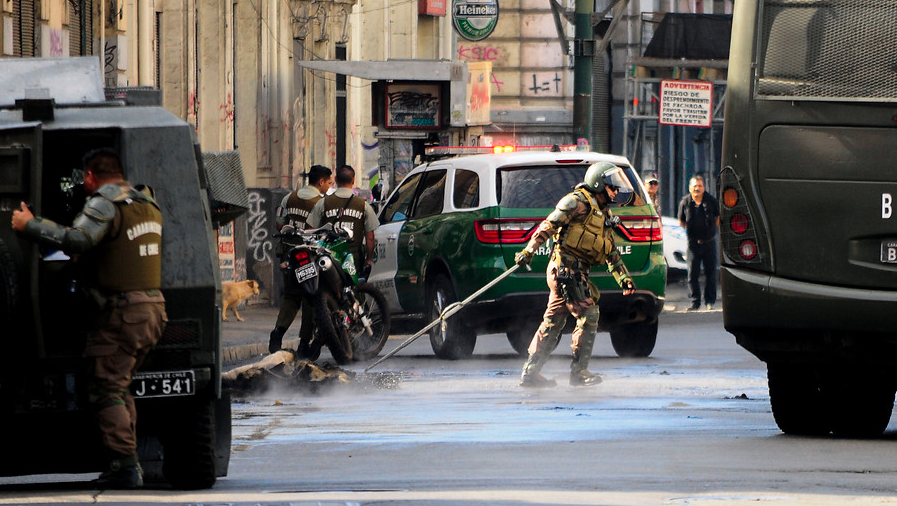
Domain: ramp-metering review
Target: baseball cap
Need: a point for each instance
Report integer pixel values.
(651, 176)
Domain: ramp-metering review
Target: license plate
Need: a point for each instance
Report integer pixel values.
(889, 252)
(306, 272)
(163, 384)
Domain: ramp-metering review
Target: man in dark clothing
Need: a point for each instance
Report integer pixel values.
(118, 236)
(699, 215)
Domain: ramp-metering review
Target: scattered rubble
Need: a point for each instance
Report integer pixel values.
(283, 368)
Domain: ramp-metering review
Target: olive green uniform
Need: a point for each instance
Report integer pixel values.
(582, 239)
(351, 213)
(119, 237)
(294, 210)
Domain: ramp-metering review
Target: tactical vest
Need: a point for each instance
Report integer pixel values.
(349, 217)
(297, 210)
(588, 239)
(131, 259)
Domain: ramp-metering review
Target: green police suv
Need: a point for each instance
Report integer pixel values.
(454, 224)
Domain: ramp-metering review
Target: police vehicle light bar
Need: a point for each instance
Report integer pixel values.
(485, 150)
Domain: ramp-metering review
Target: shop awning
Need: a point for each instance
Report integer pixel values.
(396, 70)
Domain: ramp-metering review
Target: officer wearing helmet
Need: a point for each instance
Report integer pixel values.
(582, 228)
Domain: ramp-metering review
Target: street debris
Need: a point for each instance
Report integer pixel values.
(284, 369)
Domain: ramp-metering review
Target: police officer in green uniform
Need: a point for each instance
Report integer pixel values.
(582, 228)
(294, 211)
(118, 237)
(351, 213)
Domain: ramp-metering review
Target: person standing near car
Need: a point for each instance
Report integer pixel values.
(351, 213)
(699, 216)
(582, 227)
(294, 211)
(118, 237)
(654, 191)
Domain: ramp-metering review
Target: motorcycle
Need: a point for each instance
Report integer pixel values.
(351, 316)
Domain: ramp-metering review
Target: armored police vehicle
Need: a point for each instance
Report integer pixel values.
(52, 111)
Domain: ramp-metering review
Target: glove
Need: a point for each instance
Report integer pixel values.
(523, 258)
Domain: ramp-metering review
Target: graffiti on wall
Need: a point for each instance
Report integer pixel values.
(484, 53)
(259, 243)
(544, 84)
(110, 61)
(57, 45)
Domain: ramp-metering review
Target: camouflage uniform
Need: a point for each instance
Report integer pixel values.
(119, 237)
(583, 238)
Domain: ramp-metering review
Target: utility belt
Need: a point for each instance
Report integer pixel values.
(564, 259)
(573, 278)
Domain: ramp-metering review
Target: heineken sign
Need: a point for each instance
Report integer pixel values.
(474, 19)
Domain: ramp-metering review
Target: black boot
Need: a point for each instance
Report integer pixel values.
(275, 342)
(124, 473)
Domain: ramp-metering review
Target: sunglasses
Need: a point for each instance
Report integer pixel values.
(612, 187)
(653, 183)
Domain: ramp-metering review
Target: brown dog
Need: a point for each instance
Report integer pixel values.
(233, 293)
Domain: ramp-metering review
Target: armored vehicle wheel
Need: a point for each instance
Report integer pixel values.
(364, 345)
(8, 287)
(634, 339)
(860, 403)
(189, 443)
(795, 395)
(329, 317)
(450, 339)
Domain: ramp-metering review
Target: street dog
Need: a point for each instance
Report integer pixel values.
(233, 293)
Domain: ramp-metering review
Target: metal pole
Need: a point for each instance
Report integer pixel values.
(446, 313)
(582, 71)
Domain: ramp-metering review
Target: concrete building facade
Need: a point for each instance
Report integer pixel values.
(233, 70)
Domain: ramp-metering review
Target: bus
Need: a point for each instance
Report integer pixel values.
(808, 230)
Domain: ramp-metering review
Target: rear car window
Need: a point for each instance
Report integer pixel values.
(432, 194)
(467, 189)
(543, 186)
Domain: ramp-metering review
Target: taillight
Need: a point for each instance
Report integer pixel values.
(747, 249)
(641, 228)
(738, 234)
(301, 257)
(739, 224)
(508, 231)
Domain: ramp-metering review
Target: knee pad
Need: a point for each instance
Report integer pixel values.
(589, 320)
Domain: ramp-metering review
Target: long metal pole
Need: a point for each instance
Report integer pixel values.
(446, 313)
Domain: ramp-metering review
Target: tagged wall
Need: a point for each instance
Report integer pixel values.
(259, 250)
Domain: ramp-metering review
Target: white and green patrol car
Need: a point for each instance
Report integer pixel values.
(453, 225)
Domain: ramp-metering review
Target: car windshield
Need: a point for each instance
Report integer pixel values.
(543, 186)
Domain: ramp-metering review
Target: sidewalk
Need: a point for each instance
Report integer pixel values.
(249, 339)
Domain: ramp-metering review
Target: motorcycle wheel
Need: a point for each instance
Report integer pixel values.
(331, 331)
(364, 345)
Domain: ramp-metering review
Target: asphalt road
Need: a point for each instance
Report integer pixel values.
(690, 425)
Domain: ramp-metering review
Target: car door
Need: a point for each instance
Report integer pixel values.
(386, 238)
(417, 240)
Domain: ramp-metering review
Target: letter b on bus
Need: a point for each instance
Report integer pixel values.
(886, 208)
